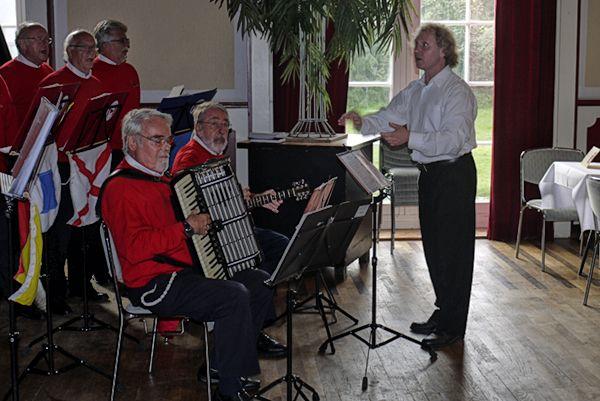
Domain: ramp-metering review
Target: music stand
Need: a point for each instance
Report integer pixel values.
(294, 261)
(58, 94)
(374, 183)
(94, 127)
(24, 169)
(180, 108)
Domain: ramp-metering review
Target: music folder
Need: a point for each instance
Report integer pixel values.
(302, 245)
(180, 108)
(96, 124)
(61, 95)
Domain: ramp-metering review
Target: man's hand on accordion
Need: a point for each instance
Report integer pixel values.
(199, 222)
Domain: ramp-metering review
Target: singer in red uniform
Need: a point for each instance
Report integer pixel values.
(115, 73)
(24, 73)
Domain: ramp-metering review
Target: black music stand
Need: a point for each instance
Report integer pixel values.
(374, 183)
(180, 108)
(60, 95)
(24, 169)
(294, 261)
(94, 128)
(26, 165)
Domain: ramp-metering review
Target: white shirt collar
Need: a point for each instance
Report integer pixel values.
(204, 145)
(76, 71)
(106, 60)
(21, 58)
(136, 165)
(438, 78)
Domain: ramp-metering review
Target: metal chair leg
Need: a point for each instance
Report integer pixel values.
(207, 357)
(154, 335)
(117, 356)
(591, 274)
(544, 244)
(519, 232)
(393, 210)
(588, 245)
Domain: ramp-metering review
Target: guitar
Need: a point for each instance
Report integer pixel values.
(299, 191)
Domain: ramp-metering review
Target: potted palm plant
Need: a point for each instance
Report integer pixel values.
(296, 30)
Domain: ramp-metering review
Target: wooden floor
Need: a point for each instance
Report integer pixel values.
(529, 338)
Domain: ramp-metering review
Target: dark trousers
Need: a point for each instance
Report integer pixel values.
(447, 216)
(238, 308)
(57, 240)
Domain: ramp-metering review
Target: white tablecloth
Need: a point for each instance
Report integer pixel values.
(563, 186)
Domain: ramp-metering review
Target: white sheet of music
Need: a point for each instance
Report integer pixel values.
(363, 171)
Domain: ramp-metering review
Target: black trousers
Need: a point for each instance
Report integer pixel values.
(447, 216)
(238, 308)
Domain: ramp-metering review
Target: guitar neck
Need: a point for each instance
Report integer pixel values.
(259, 200)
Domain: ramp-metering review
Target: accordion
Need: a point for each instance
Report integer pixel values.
(230, 245)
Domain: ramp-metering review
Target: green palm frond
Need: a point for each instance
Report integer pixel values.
(359, 25)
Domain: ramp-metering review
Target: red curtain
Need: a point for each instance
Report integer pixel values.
(286, 96)
(523, 105)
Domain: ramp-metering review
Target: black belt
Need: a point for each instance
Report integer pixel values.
(423, 167)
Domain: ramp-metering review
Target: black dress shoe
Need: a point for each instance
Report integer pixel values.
(239, 396)
(248, 384)
(441, 340)
(28, 312)
(60, 307)
(269, 347)
(427, 327)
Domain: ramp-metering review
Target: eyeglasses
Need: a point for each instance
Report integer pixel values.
(217, 125)
(123, 41)
(159, 140)
(47, 41)
(87, 49)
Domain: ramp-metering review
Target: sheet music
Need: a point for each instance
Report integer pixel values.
(33, 147)
(319, 198)
(363, 171)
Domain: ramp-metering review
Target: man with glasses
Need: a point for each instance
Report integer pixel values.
(136, 204)
(80, 51)
(24, 73)
(209, 141)
(115, 73)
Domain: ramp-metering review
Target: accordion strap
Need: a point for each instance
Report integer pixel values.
(167, 260)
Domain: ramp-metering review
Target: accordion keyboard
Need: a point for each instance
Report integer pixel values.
(230, 245)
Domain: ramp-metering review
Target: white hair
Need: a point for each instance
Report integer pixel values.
(133, 123)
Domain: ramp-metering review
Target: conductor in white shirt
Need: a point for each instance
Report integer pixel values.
(434, 116)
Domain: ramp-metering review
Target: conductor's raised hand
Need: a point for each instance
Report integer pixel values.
(352, 116)
(199, 222)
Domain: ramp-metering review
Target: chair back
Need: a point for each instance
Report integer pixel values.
(389, 158)
(398, 166)
(112, 261)
(593, 189)
(535, 162)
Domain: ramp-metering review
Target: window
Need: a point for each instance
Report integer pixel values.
(472, 22)
(8, 21)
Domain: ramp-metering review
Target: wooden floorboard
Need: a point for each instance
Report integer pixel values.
(529, 338)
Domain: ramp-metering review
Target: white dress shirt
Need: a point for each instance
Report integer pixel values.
(440, 117)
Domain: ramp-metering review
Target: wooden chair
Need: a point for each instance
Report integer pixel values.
(127, 312)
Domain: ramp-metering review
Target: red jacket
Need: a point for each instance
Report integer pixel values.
(141, 218)
(192, 154)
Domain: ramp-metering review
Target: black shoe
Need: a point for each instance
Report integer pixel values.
(248, 384)
(427, 327)
(240, 396)
(28, 312)
(269, 347)
(60, 307)
(441, 340)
